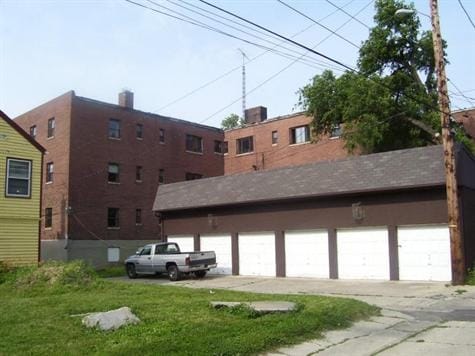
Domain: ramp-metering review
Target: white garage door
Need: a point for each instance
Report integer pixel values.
(424, 253)
(221, 245)
(363, 253)
(306, 254)
(186, 242)
(257, 254)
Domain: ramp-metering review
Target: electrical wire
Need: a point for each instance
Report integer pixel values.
(466, 13)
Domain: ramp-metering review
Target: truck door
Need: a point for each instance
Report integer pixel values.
(144, 263)
(162, 256)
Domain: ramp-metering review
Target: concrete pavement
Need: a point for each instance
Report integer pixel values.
(417, 317)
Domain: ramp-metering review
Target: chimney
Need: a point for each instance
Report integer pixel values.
(255, 115)
(126, 99)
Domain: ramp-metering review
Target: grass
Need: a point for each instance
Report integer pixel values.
(113, 271)
(36, 317)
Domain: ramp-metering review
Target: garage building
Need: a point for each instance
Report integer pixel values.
(380, 216)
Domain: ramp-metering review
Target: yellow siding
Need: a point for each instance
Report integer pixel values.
(19, 217)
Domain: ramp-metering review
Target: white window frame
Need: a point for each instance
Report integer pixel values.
(28, 195)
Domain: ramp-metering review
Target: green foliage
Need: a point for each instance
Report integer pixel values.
(112, 271)
(53, 276)
(470, 280)
(391, 101)
(174, 320)
(232, 121)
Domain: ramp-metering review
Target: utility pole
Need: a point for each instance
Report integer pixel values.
(243, 83)
(456, 242)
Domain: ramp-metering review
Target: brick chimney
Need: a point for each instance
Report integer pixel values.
(126, 99)
(255, 115)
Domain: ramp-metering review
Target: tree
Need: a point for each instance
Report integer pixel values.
(232, 121)
(390, 101)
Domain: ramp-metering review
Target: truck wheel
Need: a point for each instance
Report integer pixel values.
(200, 274)
(131, 271)
(173, 273)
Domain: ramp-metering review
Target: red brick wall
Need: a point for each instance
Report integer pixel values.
(467, 118)
(81, 151)
(55, 195)
(268, 156)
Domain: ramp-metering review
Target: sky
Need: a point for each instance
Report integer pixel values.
(100, 47)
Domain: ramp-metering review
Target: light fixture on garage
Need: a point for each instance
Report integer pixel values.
(358, 211)
(212, 221)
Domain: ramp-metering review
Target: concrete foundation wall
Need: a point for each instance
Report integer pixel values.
(95, 252)
(53, 250)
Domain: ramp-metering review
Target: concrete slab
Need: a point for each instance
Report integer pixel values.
(423, 348)
(260, 306)
(447, 335)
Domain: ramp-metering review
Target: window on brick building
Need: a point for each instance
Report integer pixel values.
(218, 146)
(138, 173)
(245, 145)
(161, 138)
(49, 172)
(113, 173)
(51, 126)
(300, 134)
(48, 218)
(113, 218)
(336, 131)
(138, 216)
(193, 176)
(139, 131)
(275, 137)
(33, 131)
(114, 128)
(194, 143)
(161, 175)
(18, 182)
(225, 147)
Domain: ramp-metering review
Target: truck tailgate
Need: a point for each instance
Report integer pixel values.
(202, 258)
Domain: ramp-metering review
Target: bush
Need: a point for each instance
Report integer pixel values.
(54, 275)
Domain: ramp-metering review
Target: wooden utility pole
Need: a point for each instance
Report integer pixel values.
(456, 242)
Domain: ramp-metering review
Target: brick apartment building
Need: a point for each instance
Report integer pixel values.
(278, 142)
(102, 168)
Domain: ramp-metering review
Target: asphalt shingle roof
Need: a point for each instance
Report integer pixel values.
(417, 167)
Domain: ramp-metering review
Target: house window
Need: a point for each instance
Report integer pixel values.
(113, 173)
(33, 131)
(138, 173)
(162, 136)
(336, 131)
(300, 134)
(114, 128)
(244, 145)
(18, 182)
(113, 218)
(49, 172)
(48, 218)
(51, 126)
(225, 147)
(218, 146)
(193, 176)
(138, 216)
(139, 131)
(194, 143)
(275, 137)
(161, 175)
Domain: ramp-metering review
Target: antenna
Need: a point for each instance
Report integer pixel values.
(243, 82)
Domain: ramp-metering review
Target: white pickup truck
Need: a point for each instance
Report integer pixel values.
(165, 257)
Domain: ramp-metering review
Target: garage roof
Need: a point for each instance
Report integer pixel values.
(410, 168)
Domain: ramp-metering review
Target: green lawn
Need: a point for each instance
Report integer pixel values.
(175, 320)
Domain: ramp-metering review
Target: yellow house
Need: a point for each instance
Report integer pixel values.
(20, 194)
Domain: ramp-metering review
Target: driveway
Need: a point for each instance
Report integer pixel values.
(417, 317)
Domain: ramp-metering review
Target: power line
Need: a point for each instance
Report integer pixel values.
(280, 36)
(319, 24)
(342, 10)
(250, 60)
(466, 13)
